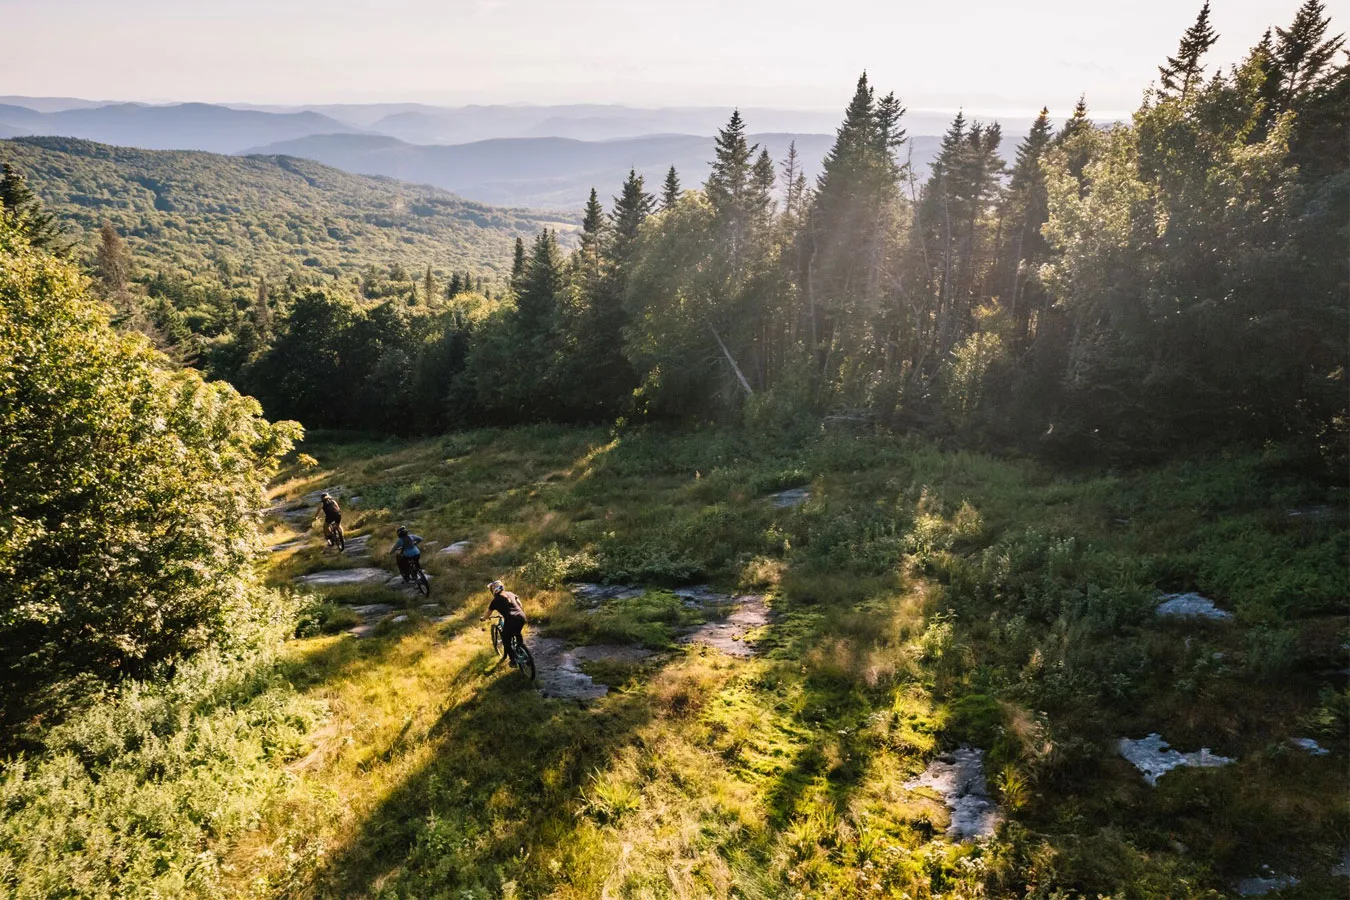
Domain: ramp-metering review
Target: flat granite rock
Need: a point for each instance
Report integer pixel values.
(397, 583)
(1309, 746)
(557, 674)
(729, 634)
(333, 577)
(611, 653)
(1152, 756)
(457, 550)
(598, 593)
(959, 778)
(1259, 887)
(1190, 606)
(791, 497)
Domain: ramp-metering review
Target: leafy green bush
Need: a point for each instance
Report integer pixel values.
(131, 491)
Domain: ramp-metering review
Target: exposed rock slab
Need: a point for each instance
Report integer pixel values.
(1309, 746)
(357, 546)
(290, 545)
(1191, 606)
(791, 497)
(457, 550)
(1153, 756)
(333, 577)
(372, 610)
(589, 594)
(397, 583)
(557, 673)
(1342, 868)
(611, 653)
(959, 778)
(729, 634)
(1259, 887)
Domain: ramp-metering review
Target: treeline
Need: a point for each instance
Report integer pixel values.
(1119, 291)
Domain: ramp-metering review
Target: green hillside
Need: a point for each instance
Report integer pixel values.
(195, 210)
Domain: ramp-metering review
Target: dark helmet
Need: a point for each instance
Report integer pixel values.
(403, 531)
(325, 496)
(496, 587)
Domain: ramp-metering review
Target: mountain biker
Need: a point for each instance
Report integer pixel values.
(507, 605)
(408, 552)
(332, 513)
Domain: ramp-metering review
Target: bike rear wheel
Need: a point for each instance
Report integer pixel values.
(524, 659)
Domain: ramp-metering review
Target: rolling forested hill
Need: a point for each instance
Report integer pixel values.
(192, 210)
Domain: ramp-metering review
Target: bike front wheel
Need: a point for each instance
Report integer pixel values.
(497, 638)
(423, 586)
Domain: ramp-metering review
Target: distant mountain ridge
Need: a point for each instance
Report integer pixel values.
(556, 173)
(273, 214)
(183, 126)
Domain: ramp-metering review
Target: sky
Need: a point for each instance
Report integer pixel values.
(984, 55)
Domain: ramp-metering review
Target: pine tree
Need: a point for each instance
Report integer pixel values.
(518, 268)
(890, 135)
(1303, 52)
(631, 209)
(762, 183)
(792, 175)
(1184, 70)
(670, 191)
(22, 210)
(592, 231)
(428, 285)
(729, 189)
(455, 287)
(262, 313)
(541, 288)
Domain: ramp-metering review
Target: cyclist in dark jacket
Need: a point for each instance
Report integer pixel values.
(332, 514)
(408, 552)
(508, 606)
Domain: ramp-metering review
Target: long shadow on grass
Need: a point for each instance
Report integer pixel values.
(501, 801)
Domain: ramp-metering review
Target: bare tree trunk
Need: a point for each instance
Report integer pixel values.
(749, 392)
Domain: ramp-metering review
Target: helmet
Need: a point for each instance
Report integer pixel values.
(325, 496)
(402, 530)
(496, 587)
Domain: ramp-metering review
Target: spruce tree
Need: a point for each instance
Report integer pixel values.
(670, 191)
(1184, 70)
(762, 183)
(518, 267)
(592, 231)
(792, 173)
(262, 313)
(23, 210)
(428, 285)
(455, 287)
(1303, 52)
(631, 208)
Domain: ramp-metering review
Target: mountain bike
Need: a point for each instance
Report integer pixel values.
(419, 577)
(520, 655)
(332, 532)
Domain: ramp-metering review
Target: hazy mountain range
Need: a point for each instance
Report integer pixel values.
(516, 155)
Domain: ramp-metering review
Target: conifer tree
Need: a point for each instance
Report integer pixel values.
(631, 209)
(429, 285)
(22, 210)
(541, 288)
(1184, 71)
(262, 313)
(1303, 52)
(455, 287)
(592, 231)
(793, 180)
(670, 191)
(762, 183)
(518, 268)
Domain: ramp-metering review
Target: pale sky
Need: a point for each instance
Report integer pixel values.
(981, 54)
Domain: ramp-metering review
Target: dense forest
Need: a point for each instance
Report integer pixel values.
(1109, 293)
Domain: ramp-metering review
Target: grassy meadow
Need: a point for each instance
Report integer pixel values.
(922, 600)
